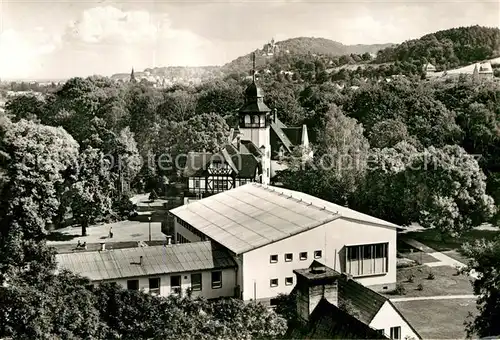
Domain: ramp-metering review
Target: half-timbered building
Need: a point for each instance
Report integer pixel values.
(253, 153)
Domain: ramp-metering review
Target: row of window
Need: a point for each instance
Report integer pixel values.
(176, 282)
(191, 229)
(371, 259)
(275, 282)
(289, 256)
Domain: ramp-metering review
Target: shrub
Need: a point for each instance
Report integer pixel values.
(420, 286)
(431, 276)
(400, 289)
(411, 278)
(153, 195)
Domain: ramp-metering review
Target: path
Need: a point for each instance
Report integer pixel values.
(438, 297)
(443, 260)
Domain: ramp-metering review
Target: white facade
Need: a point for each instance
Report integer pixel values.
(226, 289)
(331, 239)
(392, 323)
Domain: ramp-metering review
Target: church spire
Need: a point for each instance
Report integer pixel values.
(132, 76)
(253, 67)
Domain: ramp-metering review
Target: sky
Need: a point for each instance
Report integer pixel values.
(58, 39)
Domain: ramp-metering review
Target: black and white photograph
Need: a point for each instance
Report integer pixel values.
(249, 169)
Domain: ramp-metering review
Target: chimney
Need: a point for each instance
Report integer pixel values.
(313, 284)
(140, 260)
(169, 240)
(103, 246)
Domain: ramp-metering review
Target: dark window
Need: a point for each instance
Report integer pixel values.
(196, 282)
(367, 252)
(175, 282)
(352, 253)
(154, 285)
(216, 280)
(318, 254)
(273, 258)
(133, 284)
(196, 183)
(288, 257)
(380, 250)
(303, 256)
(396, 333)
(274, 282)
(289, 281)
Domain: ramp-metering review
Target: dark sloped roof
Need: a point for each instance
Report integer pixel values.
(249, 147)
(244, 164)
(255, 106)
(329, 322)
(294, 134)
(365, 302)
(196, 161)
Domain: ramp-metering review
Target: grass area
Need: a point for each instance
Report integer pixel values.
(438, 319)
(445, 282)
(432, 238)
(456, 255)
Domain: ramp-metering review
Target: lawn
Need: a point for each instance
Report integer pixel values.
(445, 282)
(432, 238)
(438, 319)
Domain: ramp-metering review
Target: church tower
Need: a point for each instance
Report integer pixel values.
(254, 124)
(132, 76)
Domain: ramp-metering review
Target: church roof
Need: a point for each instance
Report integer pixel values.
(255, 106)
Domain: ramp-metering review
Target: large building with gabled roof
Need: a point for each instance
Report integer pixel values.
(272, 231)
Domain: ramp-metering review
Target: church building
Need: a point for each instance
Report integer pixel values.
(253, 152)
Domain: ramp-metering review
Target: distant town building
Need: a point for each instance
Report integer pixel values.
(270, 48)
(482, 71)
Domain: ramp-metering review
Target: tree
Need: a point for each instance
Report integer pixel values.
(387, 133)
(34, 160)
(52, 306)
(25, 107)
(484, 258)
(439, 188)
(92, 189)
(177, 106)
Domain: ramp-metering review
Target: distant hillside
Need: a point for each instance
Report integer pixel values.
(446, 49)
(299, 46)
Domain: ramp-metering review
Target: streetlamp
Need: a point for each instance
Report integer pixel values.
(149, 218)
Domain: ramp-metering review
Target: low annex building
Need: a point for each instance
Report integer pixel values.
(270, 232)
(203, 268)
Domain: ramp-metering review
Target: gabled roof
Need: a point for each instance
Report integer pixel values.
(156, 260)
(365, 302)
(244, 164)
(294, 134)
(254, 215)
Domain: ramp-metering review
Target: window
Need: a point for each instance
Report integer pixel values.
(196, 282)
(303, 256)
(256, 119)
(380, 331)
(289, 281)
(273, 258)
(190, 228)
(368, 259)
(247, 120)
(273, 283)
(181, 239)
(396, 333)
(288, 257)
(196, 183)
(216, 280)
(154, 285)
(133, 284)
(262, 121)
(220, 184)
(318, 254)
(175, 283)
